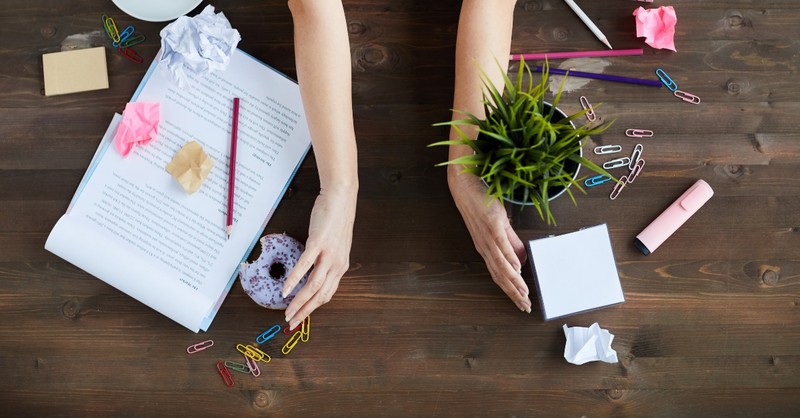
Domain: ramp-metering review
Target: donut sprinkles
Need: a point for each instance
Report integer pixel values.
(263, 279)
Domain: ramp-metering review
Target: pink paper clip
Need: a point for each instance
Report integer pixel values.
(618, 187)
(225, 373)
(253, 365)
(686, 97)
(636, 155)
(588, 108)
(639, 133)
(199, 346)
(636, 170)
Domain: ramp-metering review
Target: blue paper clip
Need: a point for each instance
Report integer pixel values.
(268, 334)
(124, 35)
(596, 180)
(666, 80)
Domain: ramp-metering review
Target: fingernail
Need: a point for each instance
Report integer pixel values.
(294, 324)
(284, 293)
(528, 310)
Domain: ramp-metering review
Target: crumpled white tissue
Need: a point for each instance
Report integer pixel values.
(197, 45)
(588, 344)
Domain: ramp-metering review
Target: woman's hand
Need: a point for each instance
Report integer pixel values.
(491, 232)
(327, 253)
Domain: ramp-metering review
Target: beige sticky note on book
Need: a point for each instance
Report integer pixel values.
(75, 71)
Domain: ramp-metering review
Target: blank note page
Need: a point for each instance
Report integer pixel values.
(75, 71)
(575, 272)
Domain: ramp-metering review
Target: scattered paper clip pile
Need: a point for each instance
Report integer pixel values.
(635, 162)
(253, 354)
(123, 41)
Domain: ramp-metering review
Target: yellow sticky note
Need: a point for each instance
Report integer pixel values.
(75, 71)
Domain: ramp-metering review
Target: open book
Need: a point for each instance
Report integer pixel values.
(133, 226)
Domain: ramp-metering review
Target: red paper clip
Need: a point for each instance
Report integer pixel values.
(131, 55)
(225, 373)
(199, 346)
(288, 330)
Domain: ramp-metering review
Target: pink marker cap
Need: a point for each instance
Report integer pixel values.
(673, 217)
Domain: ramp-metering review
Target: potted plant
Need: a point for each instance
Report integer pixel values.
(527, 150)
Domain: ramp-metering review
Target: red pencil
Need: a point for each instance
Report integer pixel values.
(232, 165)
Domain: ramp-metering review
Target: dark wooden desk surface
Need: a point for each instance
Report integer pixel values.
(710, 323)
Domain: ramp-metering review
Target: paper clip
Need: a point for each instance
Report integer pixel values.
(639, 133)
(686, 97)
(124, 35)
(618, 187)
(292, 342)
(225, 373)
(268, 334)
(199, 346)
(135, 39)
(636, 170)
(253, 365)
(666, 80)
(616, 163)
(288, 330)
(253, 353)
(636, 155)
(607, 149)
(130, 54)
(237, 367)
(305, 329)
(588, 108)
(596, 180)
(111, 28)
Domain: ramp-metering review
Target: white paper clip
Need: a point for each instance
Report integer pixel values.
(618, 187)
(588, 108)
(639, 133)
(607, 149)
(636, 155)
(686, 97)
(596, 180)
(636, 170)
(616, 163)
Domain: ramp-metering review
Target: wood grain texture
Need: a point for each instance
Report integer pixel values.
(711, 322)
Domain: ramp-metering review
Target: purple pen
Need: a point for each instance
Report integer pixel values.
(607, 77)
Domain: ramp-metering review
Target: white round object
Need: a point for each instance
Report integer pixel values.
(156, 10)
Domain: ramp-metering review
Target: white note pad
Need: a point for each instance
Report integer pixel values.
(575, 272)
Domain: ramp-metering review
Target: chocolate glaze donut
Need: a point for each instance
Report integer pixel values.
(263, 279)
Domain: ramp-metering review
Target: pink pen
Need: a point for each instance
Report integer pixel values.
(673, 217)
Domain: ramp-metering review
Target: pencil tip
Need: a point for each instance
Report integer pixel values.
(228, 231)
(608, 44)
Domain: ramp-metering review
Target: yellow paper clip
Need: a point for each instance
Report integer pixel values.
(111, 28)
(253, 353)
(292, 342)
(305, 329)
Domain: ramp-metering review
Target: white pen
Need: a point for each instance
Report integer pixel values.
(588, 22)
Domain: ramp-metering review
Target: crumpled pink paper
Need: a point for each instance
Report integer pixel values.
(139, 126)
(657, 26)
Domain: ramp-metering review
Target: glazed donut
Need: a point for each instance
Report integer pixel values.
(263, 279)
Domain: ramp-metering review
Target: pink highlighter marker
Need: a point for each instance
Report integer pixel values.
(673, 217)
